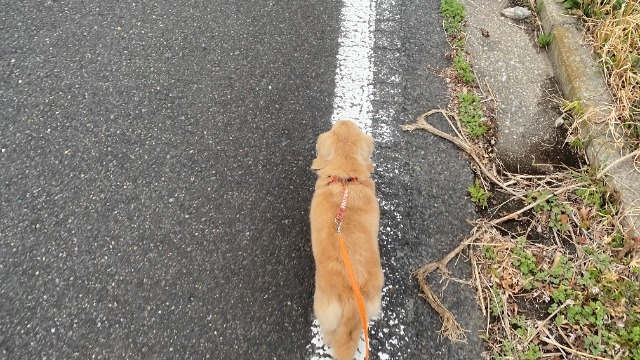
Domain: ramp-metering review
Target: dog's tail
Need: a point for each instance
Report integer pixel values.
(344, 339)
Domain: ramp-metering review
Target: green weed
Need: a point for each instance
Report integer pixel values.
(577, 143)
(524, 261)
(544, 40)
(463, 68)
(471, 115)
(489, 253)
(557, 213)
(533, 352)
(454, 15)
(596, 195)
(478, 194)
(460, 43)
(497, 305)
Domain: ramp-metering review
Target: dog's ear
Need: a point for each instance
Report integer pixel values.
(366, 151)
(324, 152)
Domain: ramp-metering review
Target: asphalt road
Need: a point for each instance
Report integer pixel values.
(155, 181)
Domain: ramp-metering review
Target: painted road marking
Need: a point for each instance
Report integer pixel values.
(354, 75)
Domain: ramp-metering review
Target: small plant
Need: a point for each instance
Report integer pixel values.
(559, 218)
(454, 15)
(596, 196)
(617, 240)
(533, 352)
(556, 213)
(544, 40)
(489, 253)
(593, 343)
(519, 325)
(506, 351)
(498, 304)
(471, 115)
(633, 128)
(562, 273)
(574, 108)
(463, 68)
(631, 337)
(577, 143)
(524, 261)
(535, 196)
(479, 195)
(591, 313)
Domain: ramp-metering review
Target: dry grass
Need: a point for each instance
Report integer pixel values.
(613, 28)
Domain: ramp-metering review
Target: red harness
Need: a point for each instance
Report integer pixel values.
(333, 179)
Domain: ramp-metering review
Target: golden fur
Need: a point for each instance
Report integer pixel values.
(345, 152)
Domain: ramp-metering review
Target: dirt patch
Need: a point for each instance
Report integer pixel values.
(557, 152)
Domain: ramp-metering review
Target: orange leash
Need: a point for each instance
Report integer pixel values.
(350, 273)
(356, 291)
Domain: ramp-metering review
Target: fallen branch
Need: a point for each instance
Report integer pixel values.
(450, 327)
(470, 149)
(476, 275)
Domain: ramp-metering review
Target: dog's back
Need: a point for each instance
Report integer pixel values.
(335, 305)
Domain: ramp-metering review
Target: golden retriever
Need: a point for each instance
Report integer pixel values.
(344, 157)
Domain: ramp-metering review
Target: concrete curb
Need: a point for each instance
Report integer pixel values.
(517, 79)
(580, 79)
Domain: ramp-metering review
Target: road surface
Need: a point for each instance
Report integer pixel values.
(155, 176)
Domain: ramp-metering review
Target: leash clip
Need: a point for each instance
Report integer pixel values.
(338, 225)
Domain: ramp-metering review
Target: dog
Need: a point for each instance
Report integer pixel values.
(343, 156)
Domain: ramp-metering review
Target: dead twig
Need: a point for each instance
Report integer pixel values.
(450, 327)
(513, 215)
(568, 349)
(604, 171)
(542, 323)
(476, 276)
(470, 149)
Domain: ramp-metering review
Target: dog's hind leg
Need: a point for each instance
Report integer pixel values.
(328, 311)
(373, 306)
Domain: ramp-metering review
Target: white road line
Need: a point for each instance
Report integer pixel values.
(354, 75)
(353, 93)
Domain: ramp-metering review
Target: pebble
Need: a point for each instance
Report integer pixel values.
(559, 121)
(516, 13)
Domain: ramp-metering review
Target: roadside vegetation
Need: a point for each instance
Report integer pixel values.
(612, 27)
(544, 40)
(556, 273)
(473, 122)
